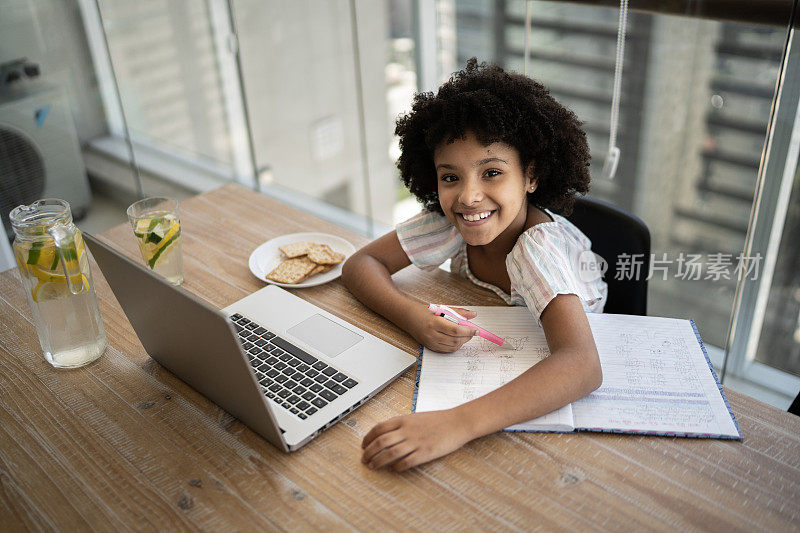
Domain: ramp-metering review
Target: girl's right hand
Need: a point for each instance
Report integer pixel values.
(439, 334)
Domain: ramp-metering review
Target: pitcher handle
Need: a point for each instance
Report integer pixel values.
(67, 249)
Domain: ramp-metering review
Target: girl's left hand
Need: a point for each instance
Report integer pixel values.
(406, 441)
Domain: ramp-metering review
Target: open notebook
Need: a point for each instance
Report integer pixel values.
(657, 378)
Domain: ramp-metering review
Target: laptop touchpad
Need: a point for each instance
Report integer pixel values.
(325, 335)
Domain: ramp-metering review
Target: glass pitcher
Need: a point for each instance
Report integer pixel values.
(54, 270)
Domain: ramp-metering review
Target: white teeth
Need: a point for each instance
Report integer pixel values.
(476, 216)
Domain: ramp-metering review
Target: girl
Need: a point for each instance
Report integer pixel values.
(493, 157)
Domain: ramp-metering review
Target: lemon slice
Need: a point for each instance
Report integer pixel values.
(72, 252)
(50, 255)
(79, 245)
(49, 290)
(154, 229)
(48, 276)
(42, 253)
(53, 290)
(142, 227)
(171, 236)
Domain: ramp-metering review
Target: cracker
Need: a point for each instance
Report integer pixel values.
(292, 270)
(296, 249)
(320, 269)
(323, 255)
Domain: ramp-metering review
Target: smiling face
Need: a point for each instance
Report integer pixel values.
(482, 189)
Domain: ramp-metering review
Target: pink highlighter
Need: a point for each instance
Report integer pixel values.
(447, 313)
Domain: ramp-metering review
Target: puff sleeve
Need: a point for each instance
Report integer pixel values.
(429, 239)
(545, 262)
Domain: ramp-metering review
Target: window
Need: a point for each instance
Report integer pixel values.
(697, 96)
(301, 92)
(312, 109)
(165, 63)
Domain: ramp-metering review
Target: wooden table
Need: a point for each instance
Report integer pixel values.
(124, 444)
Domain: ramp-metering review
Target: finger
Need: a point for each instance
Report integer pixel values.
(465, 312)
(446, 343)
(451, 329)
(452, 346)
(382, 442)
(391, 455)
(452, 343)
(454, 330)
(461, 343)
(439, 347)
(409, 461)
(445, 348)
(380, 429)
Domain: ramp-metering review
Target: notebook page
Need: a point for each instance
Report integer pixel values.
(480, 366)
(655, 379)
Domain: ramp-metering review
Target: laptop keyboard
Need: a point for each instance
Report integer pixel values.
(289, 376)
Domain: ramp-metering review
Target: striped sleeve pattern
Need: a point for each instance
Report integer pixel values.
(429, 239)
(544, 264)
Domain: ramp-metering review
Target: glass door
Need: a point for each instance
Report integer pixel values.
(765, 337)
(170, 88)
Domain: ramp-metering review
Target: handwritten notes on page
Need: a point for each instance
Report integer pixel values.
(480, 366)
(656, 378)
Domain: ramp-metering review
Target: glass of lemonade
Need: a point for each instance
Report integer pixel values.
(157, 229)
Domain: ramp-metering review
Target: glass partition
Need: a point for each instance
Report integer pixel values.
(299, 99)
(695, 103)
(764, 338)
(166, 67)
(295, 99)
(779, 339)
(316, 79)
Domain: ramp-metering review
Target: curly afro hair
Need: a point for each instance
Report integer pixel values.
(496, 105)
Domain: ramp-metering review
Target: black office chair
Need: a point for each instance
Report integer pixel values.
(795, 407)
(614, 232)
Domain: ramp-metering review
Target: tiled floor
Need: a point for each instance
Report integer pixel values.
(104, 213)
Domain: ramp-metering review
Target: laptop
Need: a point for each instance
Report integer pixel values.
(283, 366)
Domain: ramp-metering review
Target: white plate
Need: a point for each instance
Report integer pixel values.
(267, 256)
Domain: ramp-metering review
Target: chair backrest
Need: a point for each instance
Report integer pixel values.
(795, 407)
(614, 232)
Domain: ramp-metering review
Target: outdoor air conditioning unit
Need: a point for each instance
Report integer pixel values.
(40, 155)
